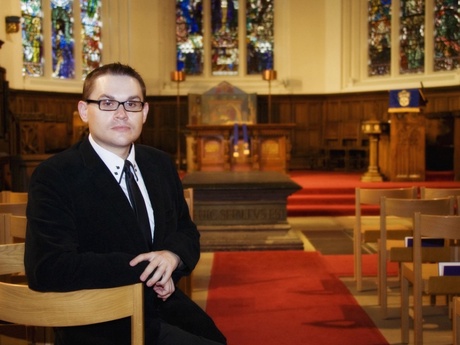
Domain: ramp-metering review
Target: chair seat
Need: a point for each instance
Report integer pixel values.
(371, 234)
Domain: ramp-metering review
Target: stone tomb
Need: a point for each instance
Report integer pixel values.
(242, 210)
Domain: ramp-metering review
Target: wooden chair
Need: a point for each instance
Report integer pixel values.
(14, 227)
(456, 320)
(185, 284)
(7, 196)
(425, 276)
(370, 234)
(188, 195)
(21, 305)
(392, 250)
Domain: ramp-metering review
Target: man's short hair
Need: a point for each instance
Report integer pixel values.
(115, 68)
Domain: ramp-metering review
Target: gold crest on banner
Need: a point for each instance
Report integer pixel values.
(404, 98)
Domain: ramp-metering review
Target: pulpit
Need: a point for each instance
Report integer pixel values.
(407, 136)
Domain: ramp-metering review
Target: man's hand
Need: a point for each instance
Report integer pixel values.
(164, 291)
(159, 270)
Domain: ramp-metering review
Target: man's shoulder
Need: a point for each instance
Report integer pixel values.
(142, 150)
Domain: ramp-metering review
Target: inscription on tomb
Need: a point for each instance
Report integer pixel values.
(237, 214)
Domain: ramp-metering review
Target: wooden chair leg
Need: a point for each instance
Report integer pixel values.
(382, 285)
(358, 259)
(418, 315)
(456, 321)
(404, 310)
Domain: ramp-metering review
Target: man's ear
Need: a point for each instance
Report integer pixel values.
(83, 111)
(145, 112)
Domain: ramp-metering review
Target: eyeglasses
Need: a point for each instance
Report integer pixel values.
(111, 105)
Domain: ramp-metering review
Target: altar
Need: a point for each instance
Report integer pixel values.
(219, 148)
(223, 134)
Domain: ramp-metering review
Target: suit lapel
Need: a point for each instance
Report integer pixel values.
(150, 173)
(105, 184)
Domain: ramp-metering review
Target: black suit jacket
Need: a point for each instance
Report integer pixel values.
(82, 233)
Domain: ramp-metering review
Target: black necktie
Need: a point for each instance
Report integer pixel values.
(137, 201)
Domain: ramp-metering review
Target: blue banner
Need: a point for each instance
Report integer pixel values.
(406, 98)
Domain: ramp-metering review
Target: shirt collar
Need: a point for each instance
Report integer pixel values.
(112, 161)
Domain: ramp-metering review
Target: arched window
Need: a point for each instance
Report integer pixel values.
(230, 40)
(56, 21)
(419, 33)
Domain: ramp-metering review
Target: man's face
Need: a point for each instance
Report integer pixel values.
(114, 130)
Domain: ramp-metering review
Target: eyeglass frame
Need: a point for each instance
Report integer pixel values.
(98, 102)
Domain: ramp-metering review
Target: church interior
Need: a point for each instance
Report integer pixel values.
(245, 142)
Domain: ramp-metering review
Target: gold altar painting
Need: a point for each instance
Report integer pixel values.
(224, 104)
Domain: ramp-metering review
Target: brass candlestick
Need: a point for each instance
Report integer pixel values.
(178, 77)
(269, 75)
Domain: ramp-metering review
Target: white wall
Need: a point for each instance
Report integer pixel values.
(320, 48)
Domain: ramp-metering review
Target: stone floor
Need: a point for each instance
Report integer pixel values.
(437, 326)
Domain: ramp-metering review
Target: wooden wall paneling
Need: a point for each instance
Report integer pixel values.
(300, 136)
(332, 136)
(284, 110)
(315, 154)
(323, 121)
(3, 102)
(457, 148)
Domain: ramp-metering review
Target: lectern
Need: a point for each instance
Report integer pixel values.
(407, 135)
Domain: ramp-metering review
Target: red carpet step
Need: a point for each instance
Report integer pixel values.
(333, 193)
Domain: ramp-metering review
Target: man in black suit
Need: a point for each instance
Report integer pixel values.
(83, 231)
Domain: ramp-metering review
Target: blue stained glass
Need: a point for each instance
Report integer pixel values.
(412, 36)
(259, 35)
(379, 40)
(224, 40)
(62, 39)
(189, 36)
(91, 35)
(32, 37)
(446, 35)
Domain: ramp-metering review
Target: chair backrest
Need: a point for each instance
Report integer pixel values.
(427, 225)
(371, 196)
(188, 195)
(7, 196)
(14, 208)
(14, 229)
(407, 207)
(21, 305)
(433, 193)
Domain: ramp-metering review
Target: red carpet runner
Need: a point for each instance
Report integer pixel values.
(285, 297)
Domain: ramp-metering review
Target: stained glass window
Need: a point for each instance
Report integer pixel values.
(446, 35)
(32, 43)
(224, 37)
(62, 38)
(412, 36)
(189, 36)
(259, 35)
(379, 41)
(91, 35)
